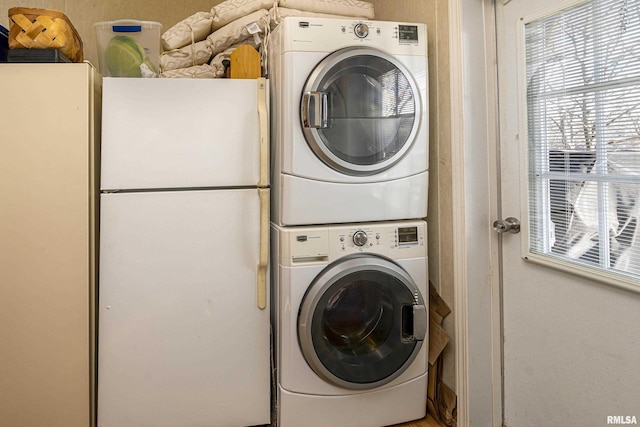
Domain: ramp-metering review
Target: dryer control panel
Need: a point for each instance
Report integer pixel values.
(328, 34)
(396, 240)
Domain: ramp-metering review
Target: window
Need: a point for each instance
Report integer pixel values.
(583, 111)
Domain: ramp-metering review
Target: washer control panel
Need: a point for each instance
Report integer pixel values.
(399, 239)
(377, 237)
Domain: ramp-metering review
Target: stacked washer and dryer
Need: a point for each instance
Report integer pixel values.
(349, 191)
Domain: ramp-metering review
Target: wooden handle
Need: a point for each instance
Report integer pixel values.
(263, 118)
(263, 193)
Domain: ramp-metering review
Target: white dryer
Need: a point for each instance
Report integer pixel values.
(351, 323)
(350, 121)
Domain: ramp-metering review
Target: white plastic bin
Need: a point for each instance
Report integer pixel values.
(128, 48)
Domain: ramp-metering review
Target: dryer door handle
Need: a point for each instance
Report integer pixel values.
(315, 110)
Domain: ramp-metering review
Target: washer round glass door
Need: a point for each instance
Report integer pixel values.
(361, 322)
(360, 111)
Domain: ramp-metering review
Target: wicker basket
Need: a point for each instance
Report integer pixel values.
(44, 29)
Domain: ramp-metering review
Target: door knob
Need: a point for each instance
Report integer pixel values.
(509, 225)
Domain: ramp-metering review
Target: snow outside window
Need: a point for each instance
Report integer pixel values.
(583, 112)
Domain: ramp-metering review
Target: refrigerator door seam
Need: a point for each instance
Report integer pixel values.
(159, 190)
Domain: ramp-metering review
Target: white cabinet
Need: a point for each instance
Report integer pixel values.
(48, 137)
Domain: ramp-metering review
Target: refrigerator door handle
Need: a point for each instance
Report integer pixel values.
(263, 193)
(263, 118)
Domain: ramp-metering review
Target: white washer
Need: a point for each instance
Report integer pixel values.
(350, 121)
(351, 323)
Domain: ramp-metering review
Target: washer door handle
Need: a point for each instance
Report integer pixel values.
(314, 110)
(414, 323)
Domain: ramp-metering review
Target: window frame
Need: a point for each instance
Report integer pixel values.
(576, 268)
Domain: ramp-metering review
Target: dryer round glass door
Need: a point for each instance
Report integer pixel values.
(360, 111)
(361, 322)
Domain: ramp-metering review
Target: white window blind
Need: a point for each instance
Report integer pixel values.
(583, 107)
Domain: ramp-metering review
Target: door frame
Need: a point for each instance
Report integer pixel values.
(476, 204)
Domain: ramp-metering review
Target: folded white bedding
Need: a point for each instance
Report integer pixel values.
(354, 8)
(196, 54)
(192, 29)
(278, 13)
(191, 43)
(230, 10)
(238, 30)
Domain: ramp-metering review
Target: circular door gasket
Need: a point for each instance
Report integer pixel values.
(317, 122)
(373, 348)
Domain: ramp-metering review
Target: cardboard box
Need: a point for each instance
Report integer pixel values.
(441, 400)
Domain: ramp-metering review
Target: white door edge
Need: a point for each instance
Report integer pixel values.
(467, 236)
(495, 210)
(459, 227)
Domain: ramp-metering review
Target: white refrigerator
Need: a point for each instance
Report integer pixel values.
(184, 331)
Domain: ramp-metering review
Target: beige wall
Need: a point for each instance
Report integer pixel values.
(84, 13)
(434, 13)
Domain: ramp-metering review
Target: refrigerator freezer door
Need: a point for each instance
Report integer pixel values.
(180, 133)
(182, 341)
